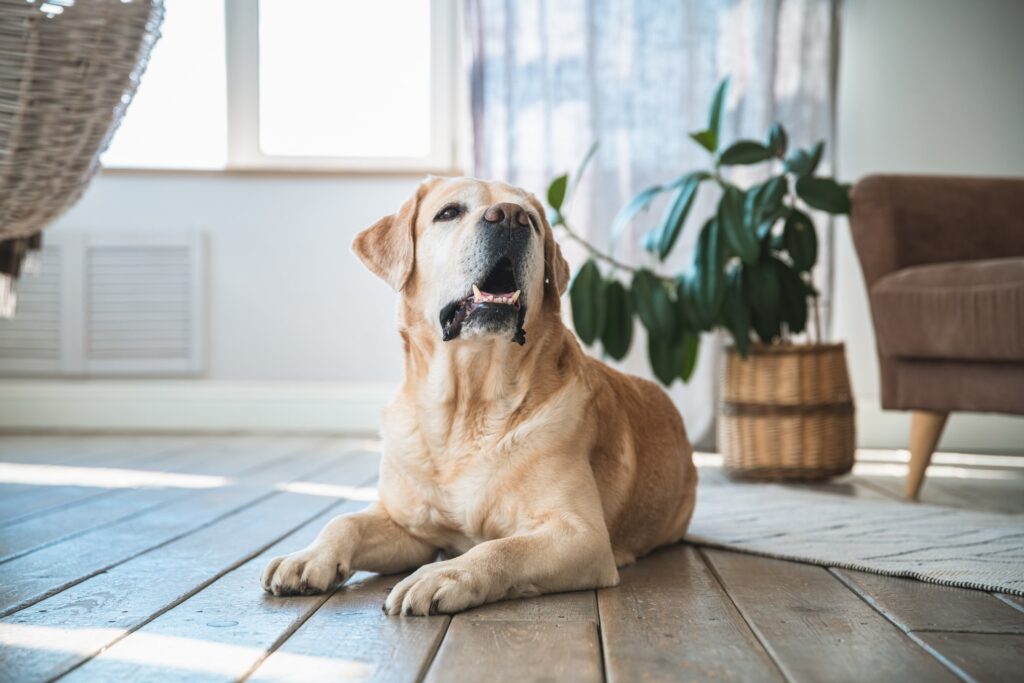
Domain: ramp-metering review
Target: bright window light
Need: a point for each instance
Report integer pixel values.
(179, 116)
(345, 79)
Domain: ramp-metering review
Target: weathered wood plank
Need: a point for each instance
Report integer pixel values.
(981, 656)
(134, 592)
(19, 501)
(515, 651)
(670, 620)
(351, 639)
(916, 605)
(30, 578)
(117, 504)
(815, 628)
(1015, 601)
(218, 634)
(576, 606)
(992, 491)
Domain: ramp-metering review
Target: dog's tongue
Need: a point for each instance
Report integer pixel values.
(509, 298)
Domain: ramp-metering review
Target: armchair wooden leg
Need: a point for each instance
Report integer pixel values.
(925, 430)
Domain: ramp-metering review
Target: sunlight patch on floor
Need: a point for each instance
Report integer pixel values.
(893, 463)
(943, 458)
(881, 469)
(104, 477)
(309, 488)
(174, 652)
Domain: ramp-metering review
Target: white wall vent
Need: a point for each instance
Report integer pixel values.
(109, 304)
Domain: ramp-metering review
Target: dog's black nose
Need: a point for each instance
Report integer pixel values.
(507, 215)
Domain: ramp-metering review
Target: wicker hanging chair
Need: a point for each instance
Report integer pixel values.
(68, 69)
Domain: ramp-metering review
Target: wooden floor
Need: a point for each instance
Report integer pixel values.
(138, 558)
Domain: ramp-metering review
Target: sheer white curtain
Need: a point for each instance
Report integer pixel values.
(550, 77)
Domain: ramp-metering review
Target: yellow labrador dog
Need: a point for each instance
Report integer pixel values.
(531, 466)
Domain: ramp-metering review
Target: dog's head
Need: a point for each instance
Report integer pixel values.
(475, 259)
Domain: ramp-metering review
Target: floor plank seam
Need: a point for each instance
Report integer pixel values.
(205, 584)
(1009, 601)
(215, 520)
(285, 635)
(873, 604)
(867, 483)
(52, 509)
(91, 529)
(758, 636)
(429, 661)
(71, 584)
(602, 650)
(170, 450)
(968, 632)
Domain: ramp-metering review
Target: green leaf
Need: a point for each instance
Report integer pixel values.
(618, 323)
(687, 317)
(667, 232)
(665, 358)
(764, 200)
(717, 107)
(777, 140)
(690, 347)
(801, 240)
(556, 191)
(586, 294)
(761, 287)
(644, 294)
(630, 210)
(805, 162)
(707, 139)
(793, 297)
(730, 216)
(823, 193)
(736, 312)
(744, 152)
(709, 271)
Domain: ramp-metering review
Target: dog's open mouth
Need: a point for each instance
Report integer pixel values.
(492, 301)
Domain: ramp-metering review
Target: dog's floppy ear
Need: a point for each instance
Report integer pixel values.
(388, 247)
(556, 269)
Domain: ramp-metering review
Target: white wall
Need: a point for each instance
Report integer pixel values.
(287, 299)
(931, 86)
(925, 86)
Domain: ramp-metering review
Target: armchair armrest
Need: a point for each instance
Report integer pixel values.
(901, 221)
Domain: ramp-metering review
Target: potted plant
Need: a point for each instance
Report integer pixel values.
(787, 409)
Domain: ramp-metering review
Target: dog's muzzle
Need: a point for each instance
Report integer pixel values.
(496, 301)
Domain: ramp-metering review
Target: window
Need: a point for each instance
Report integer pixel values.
(282, 85)
(179, 117)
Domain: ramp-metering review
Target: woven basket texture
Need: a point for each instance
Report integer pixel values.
(787, 413)
(68, 69)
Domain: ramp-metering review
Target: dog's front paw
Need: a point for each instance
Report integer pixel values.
(309, 571)
(435, 589)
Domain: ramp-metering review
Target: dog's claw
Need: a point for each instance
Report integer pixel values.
(433, 606)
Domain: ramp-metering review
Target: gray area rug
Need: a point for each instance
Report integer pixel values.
(936, 544)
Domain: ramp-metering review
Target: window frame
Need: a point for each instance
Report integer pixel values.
(243, 154)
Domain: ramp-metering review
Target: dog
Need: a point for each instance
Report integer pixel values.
(530, 466)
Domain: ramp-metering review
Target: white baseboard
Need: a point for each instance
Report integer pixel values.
(204, 406)
(331, 408)
(964, 432)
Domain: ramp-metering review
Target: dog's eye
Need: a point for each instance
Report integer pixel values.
(450, 213)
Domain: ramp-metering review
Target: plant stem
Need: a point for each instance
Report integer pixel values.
(598, 254)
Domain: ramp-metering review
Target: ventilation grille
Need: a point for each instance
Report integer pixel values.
(109, 304)
(34, 336)
(139, 302)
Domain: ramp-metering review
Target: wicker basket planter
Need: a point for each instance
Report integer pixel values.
(787, 413)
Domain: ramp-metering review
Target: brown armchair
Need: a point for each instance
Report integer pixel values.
(943, 260)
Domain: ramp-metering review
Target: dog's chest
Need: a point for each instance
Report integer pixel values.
(454, 492)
